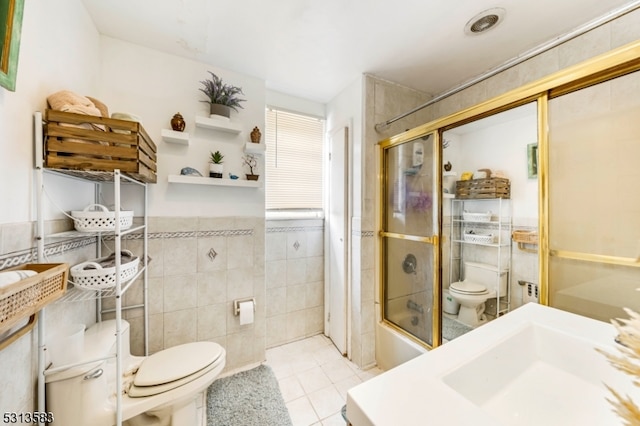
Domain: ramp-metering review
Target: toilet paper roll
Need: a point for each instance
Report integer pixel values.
(246, 312)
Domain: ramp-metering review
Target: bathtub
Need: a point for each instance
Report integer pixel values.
(392, 347)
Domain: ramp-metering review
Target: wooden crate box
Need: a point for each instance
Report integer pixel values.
(92, 143)
(483, 188)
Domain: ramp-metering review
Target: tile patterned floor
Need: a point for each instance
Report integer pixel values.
(314, 379)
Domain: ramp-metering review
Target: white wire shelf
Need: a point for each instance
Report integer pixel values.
(76, 294)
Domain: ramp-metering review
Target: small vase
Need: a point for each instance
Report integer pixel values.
(255, 135)
(177, 122)
(216, 170)
(222, 111)
(252, 177)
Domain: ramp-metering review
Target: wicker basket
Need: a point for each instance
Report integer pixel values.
(99, 278)
(479, 238)
(100, 220)
(26, 297)
(476, 217)
(483, 188)
(526, 237)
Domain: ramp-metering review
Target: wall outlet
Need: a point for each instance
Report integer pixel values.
(530, 293)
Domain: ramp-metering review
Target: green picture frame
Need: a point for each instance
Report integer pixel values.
(532, 160)
(11, 12)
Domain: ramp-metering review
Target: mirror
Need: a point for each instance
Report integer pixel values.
(11, 25)
(479, 227)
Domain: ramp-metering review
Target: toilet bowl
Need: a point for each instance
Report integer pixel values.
(166, 388)
(481, 282)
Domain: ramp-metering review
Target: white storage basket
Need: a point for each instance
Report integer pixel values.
(100, 278)
(100, 220)
(479, 238)
(476, 217)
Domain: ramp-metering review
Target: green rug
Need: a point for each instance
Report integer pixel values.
(248, 398)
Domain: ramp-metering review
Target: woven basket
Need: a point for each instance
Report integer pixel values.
(100, 220)
(526, 237)
(26, 297)
(479, 238)
(101, 278)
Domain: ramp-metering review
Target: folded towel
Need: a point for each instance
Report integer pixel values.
(104, 111)
(68, 101)
(110, 261)
(124, 116)
(10, 277)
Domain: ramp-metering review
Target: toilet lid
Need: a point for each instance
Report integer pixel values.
(176, 362)
(468, 287)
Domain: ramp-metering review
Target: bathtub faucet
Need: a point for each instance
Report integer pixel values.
(414, 306)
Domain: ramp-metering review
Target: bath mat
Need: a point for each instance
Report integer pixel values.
(452, 328)
(248, 398)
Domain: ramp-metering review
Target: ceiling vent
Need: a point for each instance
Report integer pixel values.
(484, 21)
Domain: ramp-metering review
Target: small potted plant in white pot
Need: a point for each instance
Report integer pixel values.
(221, 97)
(251, 161)
(216, 167)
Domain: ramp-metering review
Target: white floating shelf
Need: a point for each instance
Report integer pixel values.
(171, 136)
(255, 148)
(218, 124)
(197, 180)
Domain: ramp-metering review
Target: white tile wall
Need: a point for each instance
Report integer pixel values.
(294, 280)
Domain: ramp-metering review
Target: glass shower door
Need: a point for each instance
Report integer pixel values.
(594, 231)
(409, 238)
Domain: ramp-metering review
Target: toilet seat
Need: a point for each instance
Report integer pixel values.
(175, 366)
(468, 287)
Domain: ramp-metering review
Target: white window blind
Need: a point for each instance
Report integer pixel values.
(293, 161)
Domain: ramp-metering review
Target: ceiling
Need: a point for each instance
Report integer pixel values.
(314, 49)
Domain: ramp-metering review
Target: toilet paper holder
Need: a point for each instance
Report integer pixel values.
(236, 305)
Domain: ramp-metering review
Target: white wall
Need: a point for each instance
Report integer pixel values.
(345, 110)
(59, 50)
(500, 143)
(156, 85)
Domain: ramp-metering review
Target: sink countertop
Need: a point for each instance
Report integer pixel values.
(414, 393)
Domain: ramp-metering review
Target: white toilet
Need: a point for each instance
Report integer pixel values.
(480, 283)
(167, 388)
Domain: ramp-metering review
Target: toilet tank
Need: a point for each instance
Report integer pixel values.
(76, 400)
(487, 275)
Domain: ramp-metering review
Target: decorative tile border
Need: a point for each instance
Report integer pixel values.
(186, 234)
(274, 229)
(30, 255)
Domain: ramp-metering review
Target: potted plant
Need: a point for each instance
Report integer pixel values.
(251, 161)
(216, 168)
(221, 97)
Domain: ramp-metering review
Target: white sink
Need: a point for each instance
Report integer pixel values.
(539, 376)
(534, 366)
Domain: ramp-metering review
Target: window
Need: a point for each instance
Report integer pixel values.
(293, 161)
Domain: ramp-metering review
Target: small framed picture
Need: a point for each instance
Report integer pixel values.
(10, 28)
(532, 160)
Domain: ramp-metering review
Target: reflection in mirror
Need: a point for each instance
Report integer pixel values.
(493, 146)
